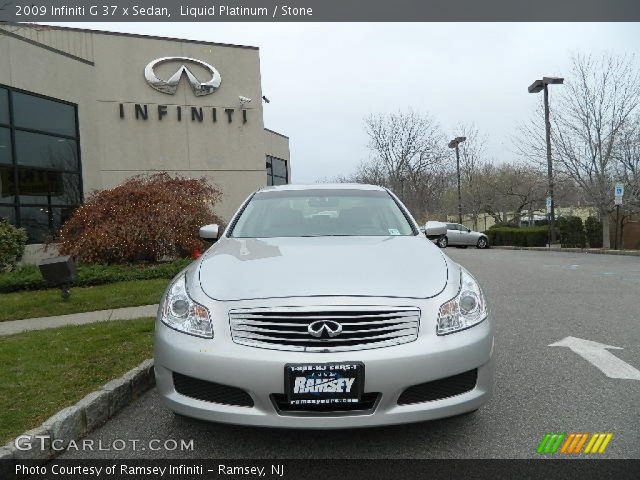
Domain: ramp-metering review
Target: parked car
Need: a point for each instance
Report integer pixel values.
(323, 307)
(460, 236)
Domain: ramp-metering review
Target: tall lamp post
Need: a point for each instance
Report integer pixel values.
(454, 144)
(536, 87)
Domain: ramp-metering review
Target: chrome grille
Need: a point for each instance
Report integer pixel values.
(286, 328)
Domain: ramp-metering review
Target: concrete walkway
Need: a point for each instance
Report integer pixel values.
(41, 323)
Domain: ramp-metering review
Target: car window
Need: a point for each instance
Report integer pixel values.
(452, 226)
(321, 212)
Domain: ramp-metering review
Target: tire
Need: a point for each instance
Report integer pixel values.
(482, 243)
(443, 242)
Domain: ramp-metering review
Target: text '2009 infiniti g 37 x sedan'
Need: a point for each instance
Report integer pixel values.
(323, 307)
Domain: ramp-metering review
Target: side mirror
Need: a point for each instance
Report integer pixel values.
(210, 232)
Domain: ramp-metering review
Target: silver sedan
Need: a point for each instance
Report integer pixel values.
(460, 236)
(323, 307)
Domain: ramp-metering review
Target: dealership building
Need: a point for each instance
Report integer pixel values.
(83, 110)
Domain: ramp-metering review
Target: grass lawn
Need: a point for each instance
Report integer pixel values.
(47, 370)
(45, 303)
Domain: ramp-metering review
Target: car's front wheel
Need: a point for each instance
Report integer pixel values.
(443, 242)
(482, 243)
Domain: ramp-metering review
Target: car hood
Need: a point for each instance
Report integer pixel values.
(395, 266)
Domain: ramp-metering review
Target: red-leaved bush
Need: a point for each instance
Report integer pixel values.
(147, 218)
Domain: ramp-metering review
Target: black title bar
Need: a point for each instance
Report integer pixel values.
(321, 469)
(319, 10)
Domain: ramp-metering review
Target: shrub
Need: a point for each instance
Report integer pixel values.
(593, 229)
(571, 232)
(28, 277)
(12, 242)
(147, 218)
(520, 237)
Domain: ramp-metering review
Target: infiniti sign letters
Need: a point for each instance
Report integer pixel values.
(170, 86)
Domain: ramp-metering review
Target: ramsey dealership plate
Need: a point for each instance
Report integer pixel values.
(324, 383)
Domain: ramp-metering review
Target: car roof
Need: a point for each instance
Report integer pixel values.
(323, 186)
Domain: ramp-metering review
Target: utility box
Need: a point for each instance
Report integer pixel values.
(58, 270)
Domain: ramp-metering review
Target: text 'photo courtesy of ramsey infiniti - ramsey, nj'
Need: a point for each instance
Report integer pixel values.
(323, 307)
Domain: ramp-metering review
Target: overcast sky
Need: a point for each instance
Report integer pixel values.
(323, 79)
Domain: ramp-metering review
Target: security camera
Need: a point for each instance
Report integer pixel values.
(244, 100)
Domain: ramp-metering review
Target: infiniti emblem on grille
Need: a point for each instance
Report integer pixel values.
(324, 328)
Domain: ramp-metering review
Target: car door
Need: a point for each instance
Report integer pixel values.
(466, 238)
(453, 234)
(473, 237)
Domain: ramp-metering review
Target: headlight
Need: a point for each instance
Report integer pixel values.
(467, 309)
(181, 313)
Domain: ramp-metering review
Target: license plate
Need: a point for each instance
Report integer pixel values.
(324, 383)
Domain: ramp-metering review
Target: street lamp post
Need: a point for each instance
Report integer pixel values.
(536, 87)
(454, 144)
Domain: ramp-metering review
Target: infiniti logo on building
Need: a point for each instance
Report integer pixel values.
(324, 328)
(170, 85)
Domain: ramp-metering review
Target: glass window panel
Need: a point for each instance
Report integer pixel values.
(279, 181)
(8, 213)
(5, 146)
(269, 166)
(42, 114)
(269, 180)
(279, 167)
(36, 220)
(42, 222)
(50, 188)
(45, 151)
(7, 185)
(4, 106)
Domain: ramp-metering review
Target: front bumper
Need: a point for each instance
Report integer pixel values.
(388, 371)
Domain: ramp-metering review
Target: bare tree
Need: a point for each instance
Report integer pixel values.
(408, 156)
(599, 99)
(472, 160)
(508, 191)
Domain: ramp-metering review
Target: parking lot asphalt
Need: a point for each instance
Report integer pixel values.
(537, 298)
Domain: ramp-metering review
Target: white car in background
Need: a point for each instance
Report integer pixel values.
(445, 234)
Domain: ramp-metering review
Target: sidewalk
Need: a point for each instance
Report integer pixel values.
(41, 323)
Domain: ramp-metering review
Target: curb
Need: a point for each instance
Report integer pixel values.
(597, 251)
(72, 423)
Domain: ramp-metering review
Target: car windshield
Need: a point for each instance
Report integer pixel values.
(321, 212)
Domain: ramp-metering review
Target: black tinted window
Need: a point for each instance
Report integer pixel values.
(41, 186)
(4, 106)
(41, 114)
(5, 146)
(277, 173)
(45, 151)
(40, 178)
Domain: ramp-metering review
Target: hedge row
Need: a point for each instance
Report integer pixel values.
(521, 237)
(571, 232)
(29, 277)
(593, 232)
